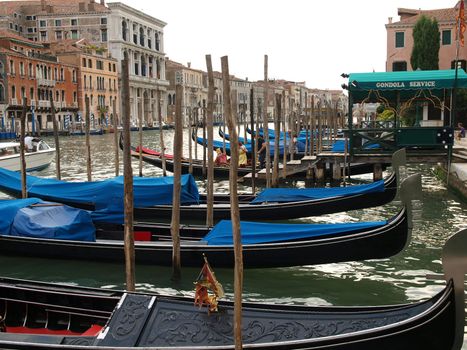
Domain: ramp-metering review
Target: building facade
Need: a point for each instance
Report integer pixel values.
(97, 80)
(140, 37)
(27, 72)
(400, 39)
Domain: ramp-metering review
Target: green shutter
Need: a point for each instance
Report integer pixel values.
(446, 37)
(399, 39)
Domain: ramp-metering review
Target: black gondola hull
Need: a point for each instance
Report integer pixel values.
(174, 323)
(277, 211)
(358, 245)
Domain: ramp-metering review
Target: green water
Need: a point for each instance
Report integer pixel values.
(398, 279)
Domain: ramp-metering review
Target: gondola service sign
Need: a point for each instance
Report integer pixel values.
(406, 84)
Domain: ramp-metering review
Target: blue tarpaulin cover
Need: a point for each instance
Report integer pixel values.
(33, 217)
(302, 194)
(220, 144)
(106, 195)
(260, 232)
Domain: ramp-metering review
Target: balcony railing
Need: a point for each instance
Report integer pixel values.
(13, 102)
(45, 82)
(44, 104)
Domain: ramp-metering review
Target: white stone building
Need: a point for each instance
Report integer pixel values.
(141, 37)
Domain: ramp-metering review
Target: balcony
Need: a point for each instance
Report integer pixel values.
(44, 104)
(14, 102)
(45, 82)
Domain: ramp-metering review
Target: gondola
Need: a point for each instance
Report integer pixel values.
(153, 157)
(40, 315)
(271, 204)
(264, 244)
(329, 200)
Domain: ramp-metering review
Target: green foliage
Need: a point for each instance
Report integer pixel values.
(380, 109)
(386, 115)
(426, 38)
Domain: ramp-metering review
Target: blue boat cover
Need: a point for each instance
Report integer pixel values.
(33, 217)
(106, 195)
(260, 232)
(220, 144)
(303, 194)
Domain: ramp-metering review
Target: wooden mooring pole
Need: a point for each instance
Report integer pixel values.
(277, 133)
(57, 143)
(88, 142)
(177, 173)
(234, 209)
(161, 132)
(266, 122)
(129, 239)
(140, 142)
(115, 126)
(210, 135)
(24, 193)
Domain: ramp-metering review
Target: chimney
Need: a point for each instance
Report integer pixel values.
(188, 64)
(390, 20)
(103, 2)
(43, 5)
(82, 7)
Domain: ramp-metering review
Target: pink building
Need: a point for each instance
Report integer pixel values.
(400, 40)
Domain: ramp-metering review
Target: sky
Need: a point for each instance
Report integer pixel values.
(305, 40)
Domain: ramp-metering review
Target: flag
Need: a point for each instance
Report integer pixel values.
(461, 22)
(206, 282)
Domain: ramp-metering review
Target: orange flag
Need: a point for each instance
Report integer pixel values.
(206, 282)
(461, 22)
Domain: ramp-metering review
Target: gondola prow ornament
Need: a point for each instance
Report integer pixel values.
(206, 282)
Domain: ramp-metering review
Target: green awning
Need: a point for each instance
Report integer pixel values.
(386, 83)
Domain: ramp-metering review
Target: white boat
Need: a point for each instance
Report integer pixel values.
(38, 159)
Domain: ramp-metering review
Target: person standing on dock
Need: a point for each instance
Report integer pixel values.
(242, 158)
(261, 151)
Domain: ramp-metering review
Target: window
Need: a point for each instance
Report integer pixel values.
(62, 74)
(73, 76)
(13, 91)
(114, 68)
(58, 23)
(42, 23)
(74, 34)
(12, 67)
(75, 96)
(446, 37)
(84, 62)
(90, 82)
(31, 72)
(89, 63)
(31, 30)
(16, 27)
(400, 39)
(21, 68)
(43, 36)
(141, 36)
(399, 66)
(104, 35)
(31, 93)
(136, 69)
(103, 20)
(85, 81)
(156, 42)
(110, 67)
(11, 25)
(74, 22)
(58, 35)
(124, 30)
(99, 64)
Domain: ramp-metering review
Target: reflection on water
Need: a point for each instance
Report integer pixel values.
(401, 278)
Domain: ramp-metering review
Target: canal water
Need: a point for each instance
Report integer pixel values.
(402, 278)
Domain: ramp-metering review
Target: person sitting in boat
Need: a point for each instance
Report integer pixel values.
(221, 158)
(242, 157)
(30, 143)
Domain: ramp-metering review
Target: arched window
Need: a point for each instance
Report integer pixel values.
(124, 30)
(141, 36)
(170, 99)
(2, 93)
(173, 99)
(156, 42)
